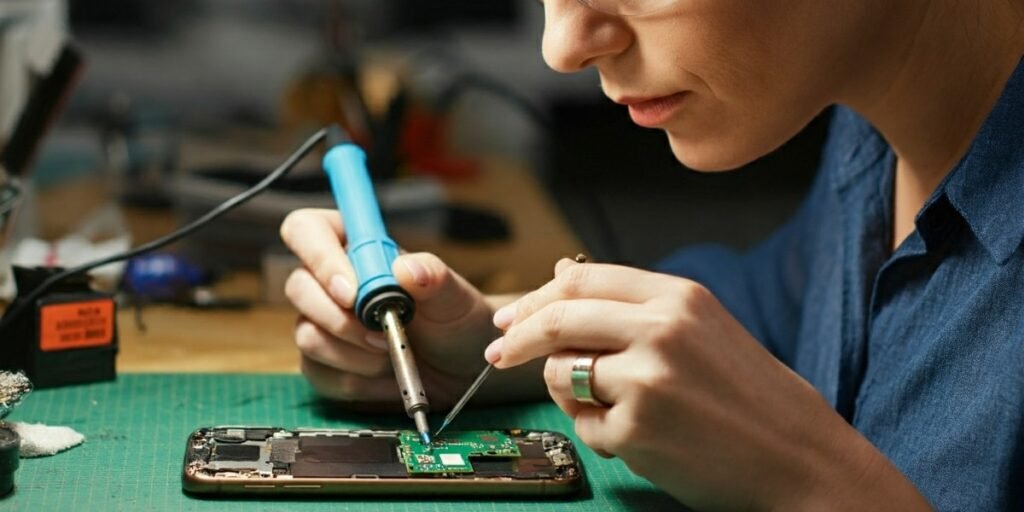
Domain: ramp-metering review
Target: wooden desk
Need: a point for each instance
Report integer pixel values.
(260, 339)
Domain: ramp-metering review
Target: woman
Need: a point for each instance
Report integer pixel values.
(867, 356)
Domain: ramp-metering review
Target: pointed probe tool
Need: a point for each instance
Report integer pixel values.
(381, 304)
(580, 258)
(465, 397)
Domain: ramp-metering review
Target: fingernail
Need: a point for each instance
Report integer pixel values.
(342, 290)
(493, 352)
(418, 272)
(377, 340)
(504, 316)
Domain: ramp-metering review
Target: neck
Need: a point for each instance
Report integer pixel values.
(941, 72)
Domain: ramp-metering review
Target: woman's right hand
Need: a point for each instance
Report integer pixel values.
(345, 361)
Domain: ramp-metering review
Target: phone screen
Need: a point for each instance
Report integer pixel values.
(272, 460)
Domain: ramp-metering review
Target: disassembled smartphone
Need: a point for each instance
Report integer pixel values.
(269, 460)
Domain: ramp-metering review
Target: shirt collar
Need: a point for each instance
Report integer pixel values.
(987, 186)
(853, 148)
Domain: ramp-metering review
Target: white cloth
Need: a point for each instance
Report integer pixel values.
(38, 440)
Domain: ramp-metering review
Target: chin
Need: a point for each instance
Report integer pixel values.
(719, 147)
(711, 155)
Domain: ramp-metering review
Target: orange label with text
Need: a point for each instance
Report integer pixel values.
(76, 325)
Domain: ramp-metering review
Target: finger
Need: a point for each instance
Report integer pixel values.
(316, 237)
(348, 387)
(320, 346)
(586, 325)
(565, 263)
(592, 428)
(590, 280)
(558, 378)
(607, 371)
(312, 301)
(441, 295)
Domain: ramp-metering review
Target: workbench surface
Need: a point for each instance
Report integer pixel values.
(136, 429)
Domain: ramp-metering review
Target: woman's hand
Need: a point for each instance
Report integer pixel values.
(345, 361)
(695, 403)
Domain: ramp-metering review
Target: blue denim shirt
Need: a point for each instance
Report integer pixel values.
(921, 349)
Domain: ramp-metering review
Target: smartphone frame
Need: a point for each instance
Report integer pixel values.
(196, 483)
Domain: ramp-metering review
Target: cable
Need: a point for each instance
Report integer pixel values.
(20, 306)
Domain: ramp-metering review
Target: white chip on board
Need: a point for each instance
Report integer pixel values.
(452, 459)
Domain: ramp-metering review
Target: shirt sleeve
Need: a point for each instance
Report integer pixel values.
(764, 287)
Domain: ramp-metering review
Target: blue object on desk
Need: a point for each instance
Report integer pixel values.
(162, 276)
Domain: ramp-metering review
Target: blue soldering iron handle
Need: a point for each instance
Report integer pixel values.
(370, 248)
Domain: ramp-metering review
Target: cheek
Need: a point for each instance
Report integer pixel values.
(752, 95)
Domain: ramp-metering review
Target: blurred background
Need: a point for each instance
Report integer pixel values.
(122, 119)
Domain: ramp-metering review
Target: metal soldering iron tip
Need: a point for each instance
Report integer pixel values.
(420, 417)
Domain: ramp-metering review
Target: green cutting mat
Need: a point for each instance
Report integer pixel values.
(136, 428)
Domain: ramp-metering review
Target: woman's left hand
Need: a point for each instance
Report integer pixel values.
(694, 403)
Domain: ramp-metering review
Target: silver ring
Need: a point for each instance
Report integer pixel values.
(582, 377)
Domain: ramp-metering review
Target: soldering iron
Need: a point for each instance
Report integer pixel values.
(381, 304)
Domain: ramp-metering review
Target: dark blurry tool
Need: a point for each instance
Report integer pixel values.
(47, 93)
(46, 100)
(9, 445)
(10, 195)
(13, 387)
(381, 304)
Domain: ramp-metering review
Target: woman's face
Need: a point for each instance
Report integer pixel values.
(728, 80)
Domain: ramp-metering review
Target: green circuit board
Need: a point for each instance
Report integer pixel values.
(450, 452)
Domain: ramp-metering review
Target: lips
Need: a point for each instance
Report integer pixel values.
(652, 112)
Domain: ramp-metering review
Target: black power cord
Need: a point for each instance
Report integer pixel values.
(19, 307)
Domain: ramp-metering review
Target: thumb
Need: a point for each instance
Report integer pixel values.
(441, 295)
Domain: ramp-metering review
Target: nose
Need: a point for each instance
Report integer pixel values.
(576, 36)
